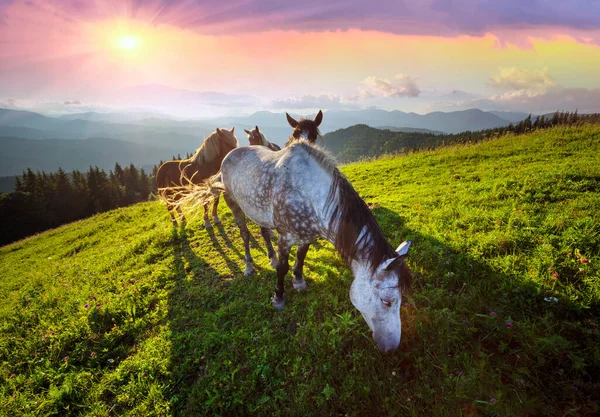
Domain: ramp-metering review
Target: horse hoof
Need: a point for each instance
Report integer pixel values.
(278, 303)
(249, 270)
(274, 262)
(207, 224)
(299, 284)
(216, 220)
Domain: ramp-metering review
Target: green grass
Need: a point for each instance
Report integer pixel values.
(121, 314)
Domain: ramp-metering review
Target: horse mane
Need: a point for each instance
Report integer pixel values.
(264, 141)
(316, 152)
(350, 215)
(210, 149)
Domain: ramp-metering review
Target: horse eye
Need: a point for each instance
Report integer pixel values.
(387, 303)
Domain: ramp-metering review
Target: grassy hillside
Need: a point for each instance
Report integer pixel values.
(121, 314)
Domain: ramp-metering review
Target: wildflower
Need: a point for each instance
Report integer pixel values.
(575, 388)
(406, 305)
(508, 324)
(86, 305)
(493, 400)
(35, 355)
(457, 373)
(111, 360)
(15, 395)
(458, 290)
(493, 314)
(555, 275)
(518, 356)
(93, 354)
(393, 373)
(66, 358)
(584, 260)
(12, 376)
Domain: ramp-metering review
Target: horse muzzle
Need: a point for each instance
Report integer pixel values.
(386, 343)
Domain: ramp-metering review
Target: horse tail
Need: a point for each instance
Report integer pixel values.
(197, 195)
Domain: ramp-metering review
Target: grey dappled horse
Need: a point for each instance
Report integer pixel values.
(304, 196)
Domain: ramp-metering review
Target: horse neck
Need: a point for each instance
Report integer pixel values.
(356, 234)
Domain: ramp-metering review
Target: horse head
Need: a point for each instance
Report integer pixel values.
(377, 294)
(254, 136)
(227, 140)
(305, 129)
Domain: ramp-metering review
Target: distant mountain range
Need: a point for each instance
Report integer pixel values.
(49, 155)
(77, 141)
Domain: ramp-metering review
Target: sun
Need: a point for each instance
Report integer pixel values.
(128, 42)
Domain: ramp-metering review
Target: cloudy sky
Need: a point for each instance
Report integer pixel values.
(202, 58)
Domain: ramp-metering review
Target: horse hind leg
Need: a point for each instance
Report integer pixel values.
(298, 281)
(266, 234)
(240, 221)
(181, 215)
(207, 224)
(215, 215)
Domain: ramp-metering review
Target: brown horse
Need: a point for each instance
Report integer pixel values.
(255, 137)
(173, 176)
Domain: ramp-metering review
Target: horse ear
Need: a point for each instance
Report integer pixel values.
(402, 252)
(247, 131)
(403, 248)
(232, 129)
(219, 132)
(293, 123)
(257, 131)
(319, 118)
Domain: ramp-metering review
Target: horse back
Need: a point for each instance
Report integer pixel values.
(179, 173)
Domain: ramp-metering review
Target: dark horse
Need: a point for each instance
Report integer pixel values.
(308, 130)
(305, 129)
(173, 176)
(304, 196)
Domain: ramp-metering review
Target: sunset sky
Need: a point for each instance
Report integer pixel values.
(204, 58)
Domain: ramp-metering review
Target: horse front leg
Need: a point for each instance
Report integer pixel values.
(266, 234)
(240, 221)
(215, 215)
(207, 224)
(282, 269)
(298, 281)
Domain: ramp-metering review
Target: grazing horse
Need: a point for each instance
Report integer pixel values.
(305, 129)
(173, 176)
(304, 196)
(255, 137)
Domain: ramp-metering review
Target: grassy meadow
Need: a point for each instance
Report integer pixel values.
(123, 315)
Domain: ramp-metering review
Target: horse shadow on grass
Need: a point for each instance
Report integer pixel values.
(447, 324)
(201, 291)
